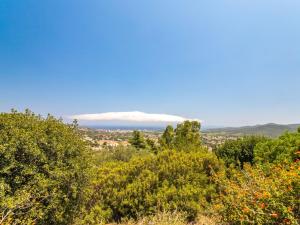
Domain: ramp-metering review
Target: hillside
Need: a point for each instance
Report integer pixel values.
(271, 130)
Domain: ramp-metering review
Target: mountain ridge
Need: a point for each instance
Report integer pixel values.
(269, 129)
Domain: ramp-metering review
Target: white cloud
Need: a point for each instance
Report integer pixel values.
(131, 117)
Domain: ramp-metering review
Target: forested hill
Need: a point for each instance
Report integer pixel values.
(271, 130)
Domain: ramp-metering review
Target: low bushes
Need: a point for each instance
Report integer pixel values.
(168, 181)
(255, 196)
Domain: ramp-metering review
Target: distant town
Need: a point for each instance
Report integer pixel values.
(105, 138)
(111, 137)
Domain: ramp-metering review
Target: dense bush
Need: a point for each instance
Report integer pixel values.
(253, 196)
(43, 170)
(169, 181)
(269, 191)
(284, 149)
(120, 153)
(240, 151)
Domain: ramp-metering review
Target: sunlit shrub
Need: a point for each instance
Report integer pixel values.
(44, 170)
(285, 149)
(168, 181)
(253, 196)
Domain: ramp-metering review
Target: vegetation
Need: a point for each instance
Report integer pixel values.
(254, 196)
(44, 166)
(266, 191)
(167, 218)
(186, 137)
(138, 141)
(49, 175)
(240, 151)
(167, 181)
(281, 150)
(167, 139)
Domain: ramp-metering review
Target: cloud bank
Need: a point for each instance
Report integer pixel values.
(132, 117)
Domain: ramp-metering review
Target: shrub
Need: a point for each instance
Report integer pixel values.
(43, 170)
(168, 181)
(285, 149)
(120, 153)
(252, 196)
(238, 152)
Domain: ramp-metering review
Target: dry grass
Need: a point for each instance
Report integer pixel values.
(204, 220)
(170, 219)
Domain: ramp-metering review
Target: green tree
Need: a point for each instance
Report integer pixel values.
(229, 152)
(166, 140)
(44, 170)
(138, 141)
(247, 146)
(240, 151)
(187, 136)
(152, 145)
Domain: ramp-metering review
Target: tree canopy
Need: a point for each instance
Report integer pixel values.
(186, 137)
(138, 140)
(44, 167)
(240, 151)
(284, 149)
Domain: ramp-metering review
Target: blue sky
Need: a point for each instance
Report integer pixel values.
(226, 62)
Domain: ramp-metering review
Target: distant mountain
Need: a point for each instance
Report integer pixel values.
(270, 129)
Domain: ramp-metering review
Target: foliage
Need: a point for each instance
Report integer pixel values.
(43, 170)
(186, 137)
(48, 176)
(152, 145)
(240, 151)
(284, 149)
(166, 140)
(252, 196)
(167, 181)
(138, 141)
(120, 153)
